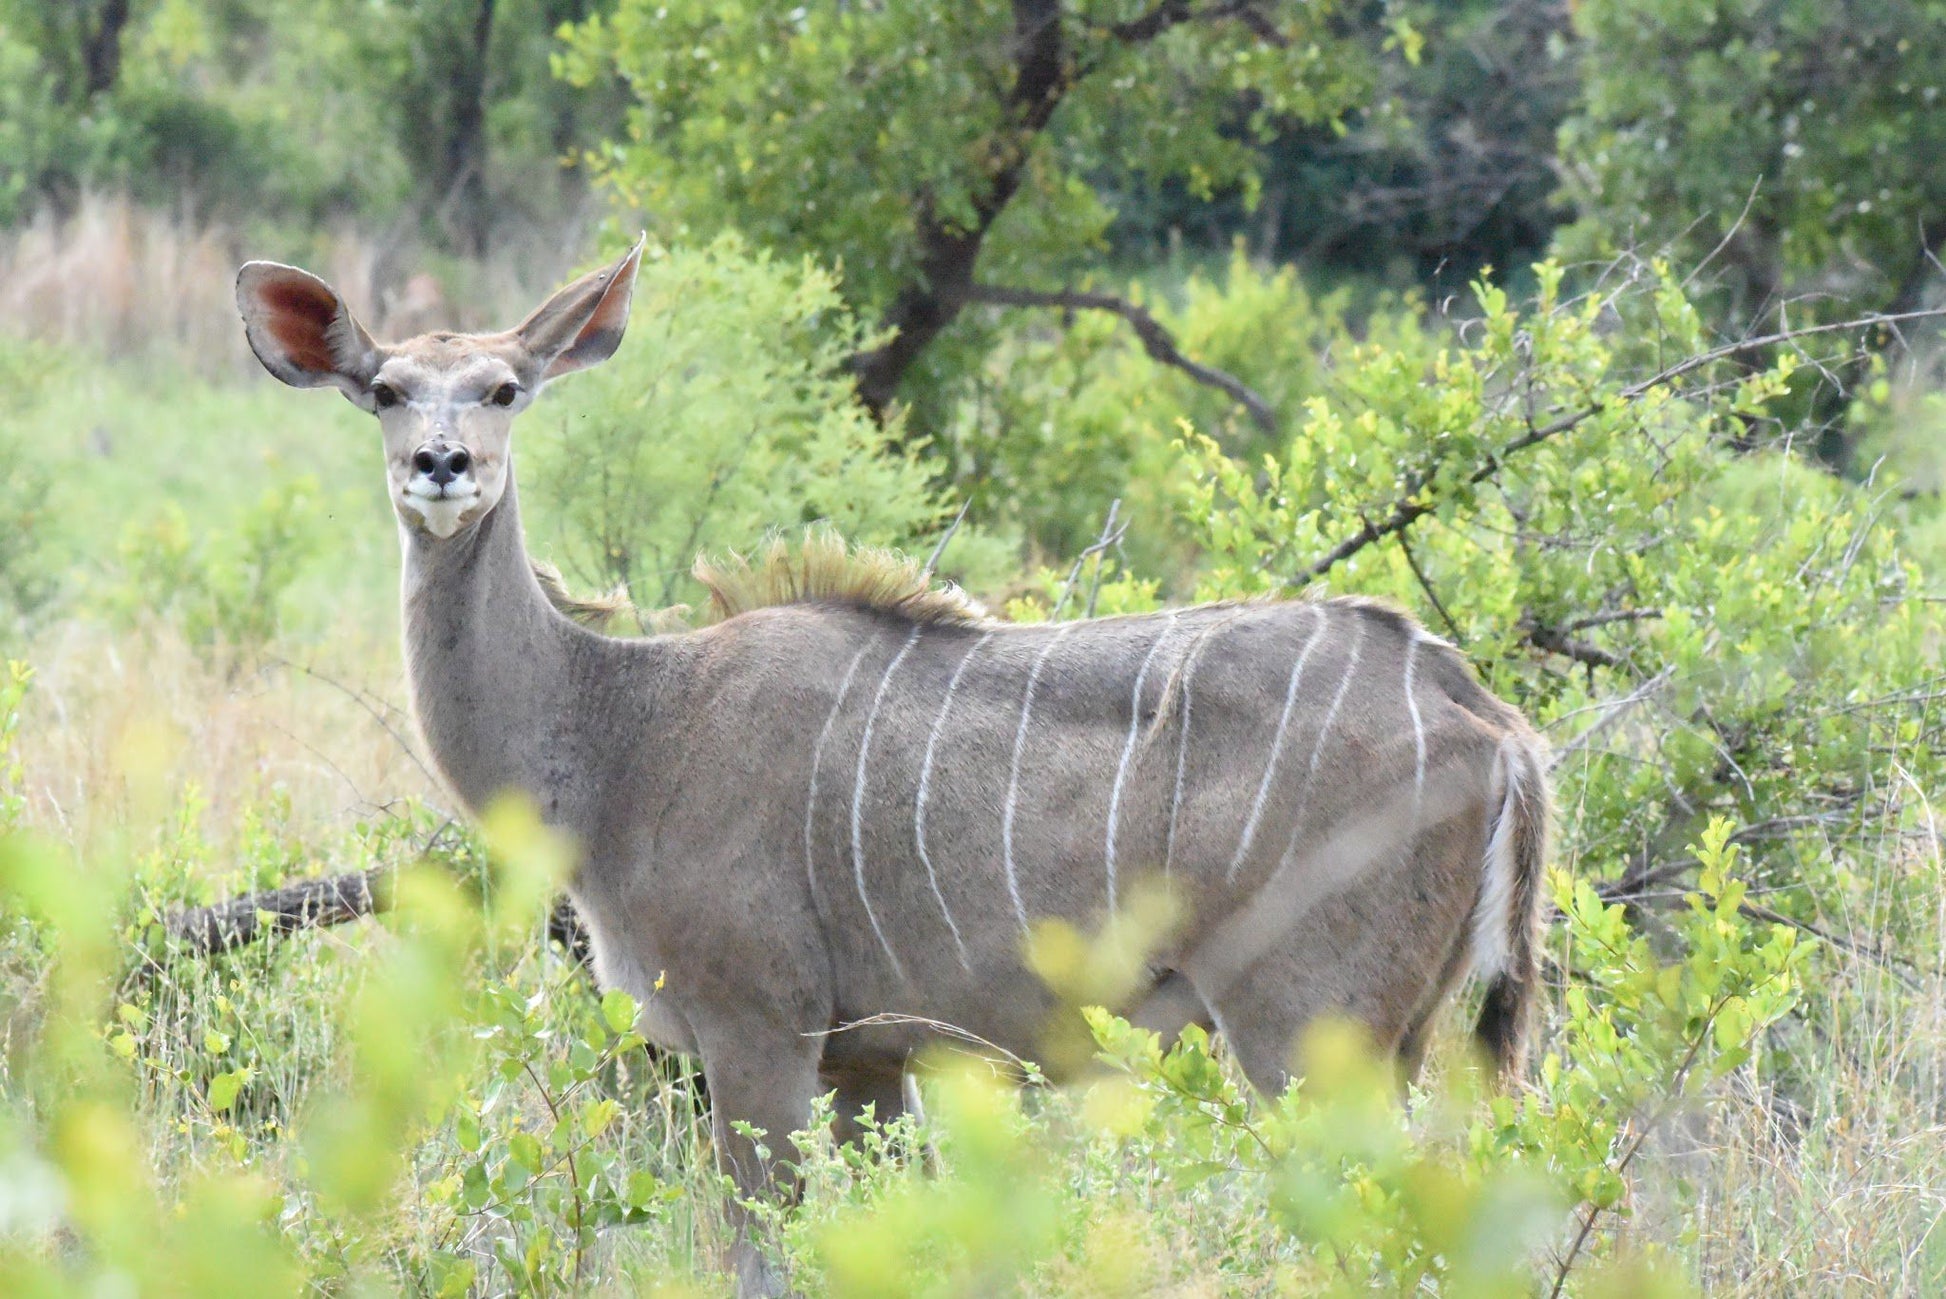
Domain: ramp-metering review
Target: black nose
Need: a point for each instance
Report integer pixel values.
(441, 461)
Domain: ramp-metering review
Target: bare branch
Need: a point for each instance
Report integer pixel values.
(949, 249)
(932, 560)
(1609, 616)
(1555, 640)
(1425, 584)
(1111, 535)
(1156, 341)
(1175, 13)
(1612, 711)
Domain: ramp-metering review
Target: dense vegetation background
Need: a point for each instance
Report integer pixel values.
(1596, 333)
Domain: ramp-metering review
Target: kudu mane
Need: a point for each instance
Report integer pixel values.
(822, 569)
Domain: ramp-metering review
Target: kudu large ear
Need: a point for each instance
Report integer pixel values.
(582, 324)
(303, 333)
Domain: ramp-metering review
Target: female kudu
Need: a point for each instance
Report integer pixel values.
(857, 801)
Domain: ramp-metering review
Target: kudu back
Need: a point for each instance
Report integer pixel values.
(858, 798)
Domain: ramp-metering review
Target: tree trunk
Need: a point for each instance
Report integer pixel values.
(949, 254)
(465, 164)
(101, 49)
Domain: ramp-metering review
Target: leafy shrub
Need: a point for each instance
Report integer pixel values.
(227, 586)
(27, 582)
(725, 414)
(1063, 418)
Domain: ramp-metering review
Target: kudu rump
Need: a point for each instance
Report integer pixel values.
(854, 803)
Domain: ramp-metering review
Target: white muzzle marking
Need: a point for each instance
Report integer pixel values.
(440, 510)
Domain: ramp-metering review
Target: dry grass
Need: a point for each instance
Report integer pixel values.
(323, 734)
(1831, 1178)
(124, 281)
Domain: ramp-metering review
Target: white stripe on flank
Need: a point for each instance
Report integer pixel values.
(1182, 744)
(1318, 621)
(817, 758)
(1128, 748)
(1324, 730)
(925, 790)
(1013, 775)
(858, 800)
(1418, 734)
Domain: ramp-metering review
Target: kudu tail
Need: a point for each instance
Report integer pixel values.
(1506, 917)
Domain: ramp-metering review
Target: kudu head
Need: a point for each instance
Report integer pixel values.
(445, 402)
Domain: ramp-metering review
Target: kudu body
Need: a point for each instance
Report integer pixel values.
(857, 804)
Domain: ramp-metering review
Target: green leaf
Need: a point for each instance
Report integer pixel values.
(223, 1088)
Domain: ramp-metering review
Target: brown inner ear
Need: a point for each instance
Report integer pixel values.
(300, 317)
(598, 338)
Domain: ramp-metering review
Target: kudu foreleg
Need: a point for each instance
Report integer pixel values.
(762, 1084)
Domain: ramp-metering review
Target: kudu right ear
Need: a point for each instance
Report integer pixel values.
(303, 333)
(582, 324)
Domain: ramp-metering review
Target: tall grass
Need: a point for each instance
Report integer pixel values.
(116, 279)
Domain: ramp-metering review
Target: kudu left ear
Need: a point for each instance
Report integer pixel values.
(582, 324)
(304, 333)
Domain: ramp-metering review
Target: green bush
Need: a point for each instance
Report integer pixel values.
(725, 415)
(226, 587)
(1072, 413)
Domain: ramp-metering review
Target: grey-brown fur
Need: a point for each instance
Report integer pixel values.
(757, 883)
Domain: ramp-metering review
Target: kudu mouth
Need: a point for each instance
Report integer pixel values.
(442, 488)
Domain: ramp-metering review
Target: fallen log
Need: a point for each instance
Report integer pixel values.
(320, 904)
(340, 899)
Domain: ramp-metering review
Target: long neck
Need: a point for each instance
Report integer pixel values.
(491, 664)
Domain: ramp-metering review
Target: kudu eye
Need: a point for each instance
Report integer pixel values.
(384, 396)
(505, 394)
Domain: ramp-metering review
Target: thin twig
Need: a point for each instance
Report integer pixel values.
(1612, 711)
(1425, 584)
(1110, 535)
(932, 560)
(358, 697)
(1628, 1157)
(1608, 617)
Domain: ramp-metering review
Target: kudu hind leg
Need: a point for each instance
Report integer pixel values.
(1382, 954)
(881, 1087)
